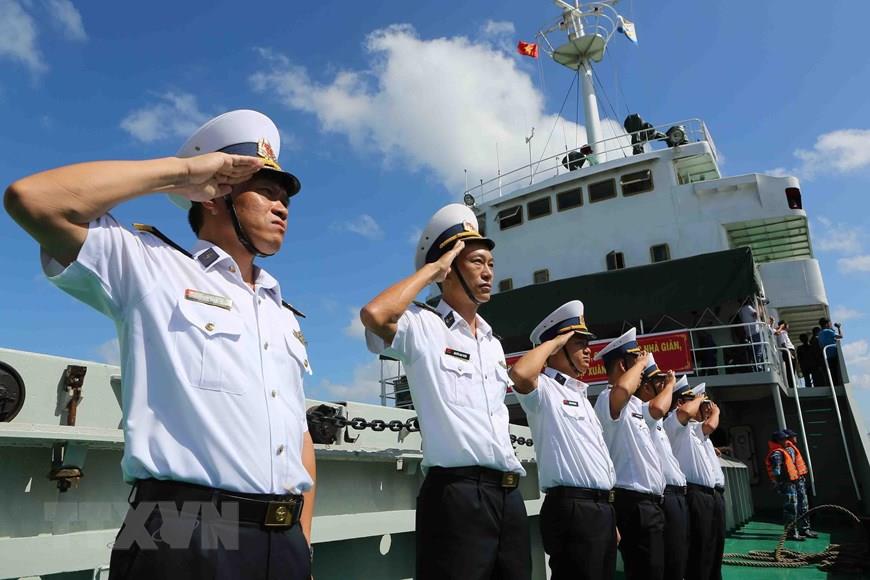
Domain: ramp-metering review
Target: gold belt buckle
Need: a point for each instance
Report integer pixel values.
(279, 514)
(510, 479)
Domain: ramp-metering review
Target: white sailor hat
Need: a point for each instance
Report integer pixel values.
(625, 344)
(651, 370)
(699, 389)
(681, 386)
(566, 318)
(240, 132)
(450, 224)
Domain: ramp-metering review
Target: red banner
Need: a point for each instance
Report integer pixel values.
(672, 351)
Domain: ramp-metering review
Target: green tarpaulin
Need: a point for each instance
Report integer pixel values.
(671, 287)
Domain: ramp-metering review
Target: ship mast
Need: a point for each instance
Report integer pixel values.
(589, 28)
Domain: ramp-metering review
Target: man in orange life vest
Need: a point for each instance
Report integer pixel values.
(803, 503)
(783, 473)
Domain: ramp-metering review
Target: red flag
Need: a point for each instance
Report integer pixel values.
(527, 49)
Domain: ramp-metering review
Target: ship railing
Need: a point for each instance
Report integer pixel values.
(394, 384)
(617, 146)
(756, 353)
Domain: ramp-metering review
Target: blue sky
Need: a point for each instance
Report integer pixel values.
(381, 109)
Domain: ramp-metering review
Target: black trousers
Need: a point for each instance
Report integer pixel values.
(707, 525)
(676, 533)
(579, 536)
(182, 543)
(641, 522)
(471, 528)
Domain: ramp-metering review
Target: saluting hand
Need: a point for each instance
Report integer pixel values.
(445, 262)
(213, 175)
(559, 341)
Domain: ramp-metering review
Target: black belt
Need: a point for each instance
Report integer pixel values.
(638, 495)
(581, 493)
(508, 479)
(720, 488)
(675, 490)
(269, 510)
(701, 488)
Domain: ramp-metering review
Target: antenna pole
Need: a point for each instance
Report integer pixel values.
(590, 106)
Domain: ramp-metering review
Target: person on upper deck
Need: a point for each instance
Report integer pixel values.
(211, 413)
(471, 518)
(640, 482)
(578, 523)
(829, 338)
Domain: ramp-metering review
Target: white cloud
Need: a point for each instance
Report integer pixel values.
(496, 28)
(414, 236)
(854, 264)
(355, 328)
(174, 115)
(110, 352)
(837, 152)
(18, 36)
(364, 225)
(364, 388)
(843, 313)
(778, 172)
(441, 105)
(68, 18)
(837, 237)
(857, 357)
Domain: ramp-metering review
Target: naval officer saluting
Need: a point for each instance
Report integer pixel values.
(656, 391)
(688, 427)
(640, 483)
(578, 524)
(471, 519)
(211, 414)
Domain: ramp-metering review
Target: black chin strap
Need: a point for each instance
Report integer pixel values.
(240, 232)
(465, 287)
(571, 363)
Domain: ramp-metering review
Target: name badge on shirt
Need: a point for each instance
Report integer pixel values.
(637, 415)
(570, 403)
(458, 354)
(210, 299)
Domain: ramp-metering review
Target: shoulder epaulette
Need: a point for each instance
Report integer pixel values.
(425, 306)
(290, 307)
(163, 237)
(157, 233)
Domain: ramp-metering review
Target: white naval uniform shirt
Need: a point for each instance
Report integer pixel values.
(670, 465)
(210, 396)
(631, 447)
(569, 444)
(715, 464)
(458, 384)
(687, 441)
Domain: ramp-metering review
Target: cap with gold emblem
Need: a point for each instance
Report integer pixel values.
(625, 344)
(651, 370)
(450, 224)
(240, 132)
(566, 318)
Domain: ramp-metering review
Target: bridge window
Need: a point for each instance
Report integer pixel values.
(615, 260)
(569, 199)
(539, 208)
(601, 190)
(659, 253)
(505, 285)
(510, 217)
(541, 276)
(637, 182)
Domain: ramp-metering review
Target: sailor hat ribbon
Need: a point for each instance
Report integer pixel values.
(566, 318)
(619, 347)
(240, 132)
(651, 370)
(450, 224)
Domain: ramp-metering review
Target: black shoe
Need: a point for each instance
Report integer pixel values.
(794, 536)
(809, 534)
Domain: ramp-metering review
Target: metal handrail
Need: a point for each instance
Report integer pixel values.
(695, 131)
(797, 400)
(840, 418)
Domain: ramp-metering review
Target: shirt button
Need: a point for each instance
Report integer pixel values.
(280, 450)
(306, 363)
(210, 326)
(266, 346)
(233, 269)
(274, 393)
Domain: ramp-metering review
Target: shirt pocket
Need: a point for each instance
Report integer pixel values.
(498, 391)
(571, 409)
(298, 352)
(207, 346)
(459, 382)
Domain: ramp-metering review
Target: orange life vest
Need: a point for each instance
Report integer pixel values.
(798, 459)
(790, 468)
